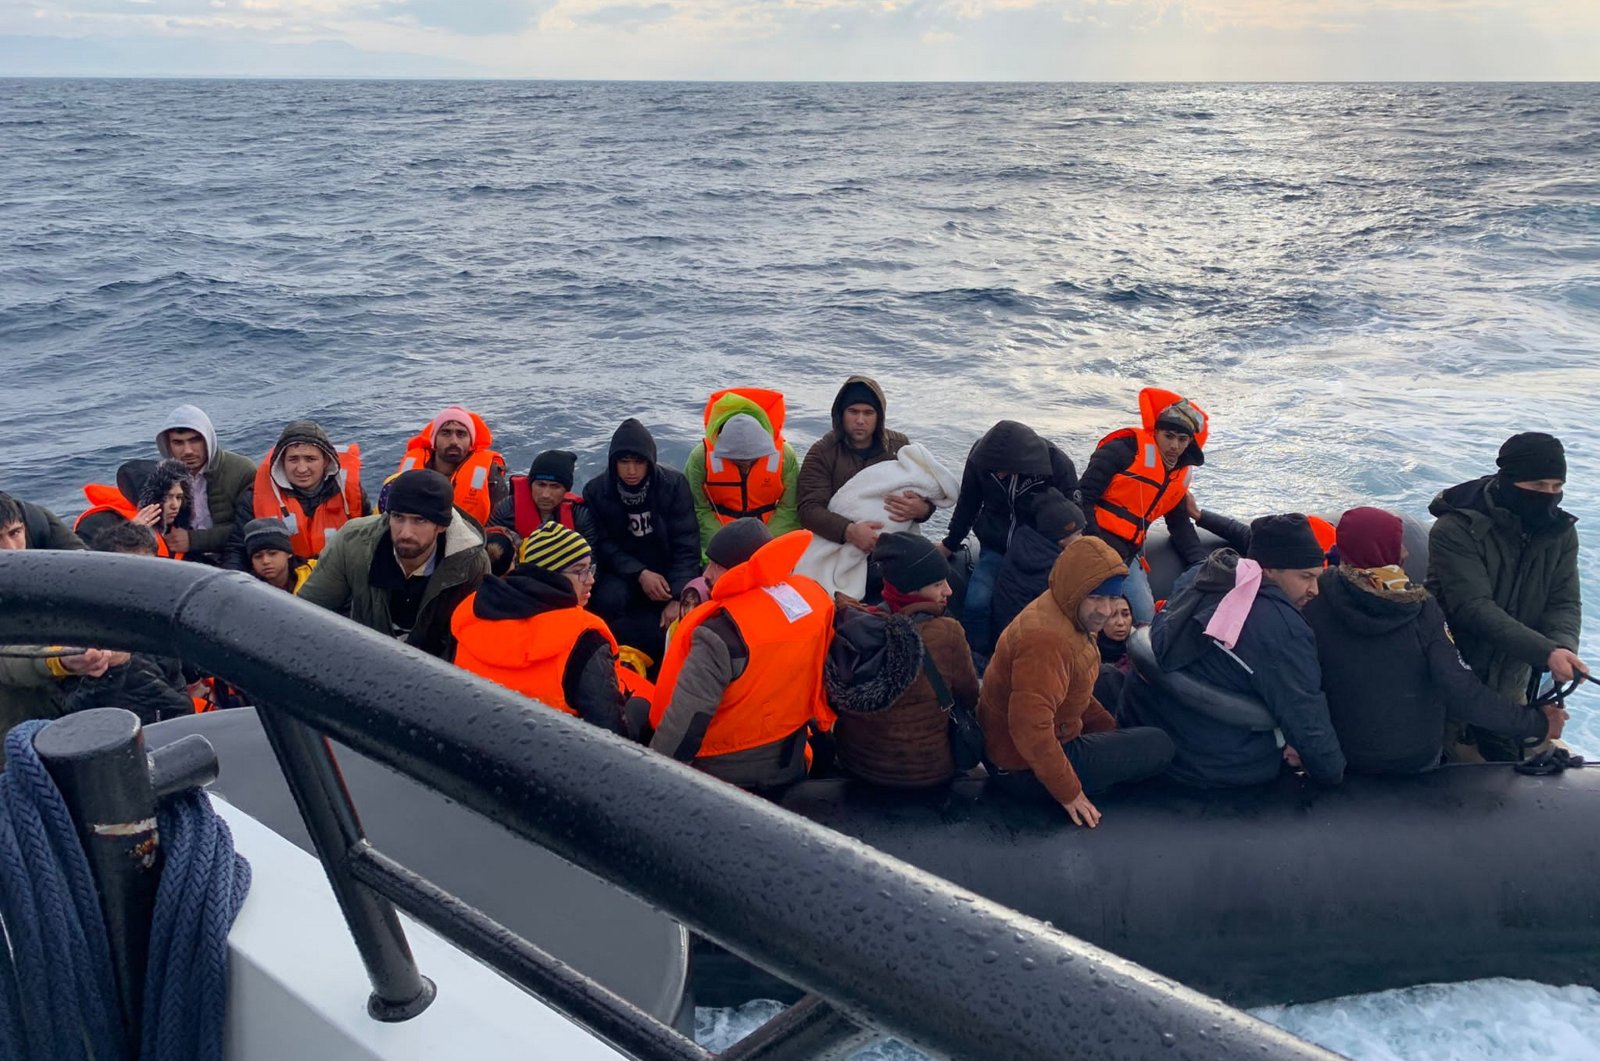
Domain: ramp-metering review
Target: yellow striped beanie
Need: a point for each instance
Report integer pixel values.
(552, 547)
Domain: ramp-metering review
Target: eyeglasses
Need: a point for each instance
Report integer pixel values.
(583, 572)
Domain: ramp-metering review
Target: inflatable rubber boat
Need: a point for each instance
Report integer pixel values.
(1283, 893)
(518, 830)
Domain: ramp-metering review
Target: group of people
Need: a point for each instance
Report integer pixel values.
(763, 616)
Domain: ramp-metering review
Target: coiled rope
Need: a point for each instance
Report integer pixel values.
(58, 997)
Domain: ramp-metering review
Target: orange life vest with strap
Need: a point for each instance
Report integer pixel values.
(529, 655)
(103, 498)
(309, 532)
(1146, 490)
(526, 514)
(734, 494)
(471, 479)
(786, 620)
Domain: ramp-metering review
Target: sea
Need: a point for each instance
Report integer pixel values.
(1368, 286)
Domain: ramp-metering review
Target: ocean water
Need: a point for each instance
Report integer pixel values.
(1369, 287)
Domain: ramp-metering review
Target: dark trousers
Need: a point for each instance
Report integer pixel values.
(1101, 760)
(634, 618)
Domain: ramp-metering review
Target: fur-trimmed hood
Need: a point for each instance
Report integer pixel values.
(1365, 608)
(873, 658)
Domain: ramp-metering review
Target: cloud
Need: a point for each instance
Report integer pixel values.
(471, 17)
(628, 15)
(877, 39)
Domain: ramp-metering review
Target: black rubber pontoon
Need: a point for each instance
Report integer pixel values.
(880, 942)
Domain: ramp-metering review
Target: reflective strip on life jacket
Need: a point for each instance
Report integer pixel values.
(786, 621)
(309, 533)
(471, 479)
(539, 677)
(1143, 492)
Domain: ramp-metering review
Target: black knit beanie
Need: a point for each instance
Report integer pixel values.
(1285, 542)
(423, 492)
(1532, 455)
(737, 542)
(266, 533)
(857, 393)
(554, 466)
(1055, 515)
(909, 561)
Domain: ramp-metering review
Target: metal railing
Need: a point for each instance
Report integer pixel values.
(881, 944)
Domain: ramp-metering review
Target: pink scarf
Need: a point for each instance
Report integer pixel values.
(1228, 621)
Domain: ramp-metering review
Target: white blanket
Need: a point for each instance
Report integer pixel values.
(843, 568)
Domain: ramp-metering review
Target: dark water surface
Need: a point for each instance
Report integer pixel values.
(1369, 286)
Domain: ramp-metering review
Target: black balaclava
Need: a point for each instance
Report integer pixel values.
(1528, 456)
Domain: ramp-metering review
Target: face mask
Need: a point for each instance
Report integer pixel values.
(1534, 508)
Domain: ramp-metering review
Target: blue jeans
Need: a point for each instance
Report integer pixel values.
(980, 593)
(1141, 601)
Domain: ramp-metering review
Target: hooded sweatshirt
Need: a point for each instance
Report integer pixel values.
(787, 516)
(1274, 661)
(648, 527)
(989, 503)
(296, 432)
(218, 486)
(1038, 691)
(1510, 595)
(832, 461)
(1392, 676)
(589, 678)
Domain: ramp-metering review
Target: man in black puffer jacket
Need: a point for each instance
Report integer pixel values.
(1390, 671)
(648, 540)
(1005, 467)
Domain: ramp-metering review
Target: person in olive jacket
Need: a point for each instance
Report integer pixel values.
(1503, 564)
(403, 573)
(1389, 669)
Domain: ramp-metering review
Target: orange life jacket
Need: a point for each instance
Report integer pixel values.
(1327, 535)
(735, 494)
(103, 498)
(525, 514)
(1146, 489)
(471, 479)
(529, 655)
(310, 532)
(786, 620)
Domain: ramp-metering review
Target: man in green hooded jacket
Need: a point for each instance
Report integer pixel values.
(1503, 564)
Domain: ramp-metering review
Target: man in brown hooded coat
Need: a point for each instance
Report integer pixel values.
(859, 439)
(1043, 730)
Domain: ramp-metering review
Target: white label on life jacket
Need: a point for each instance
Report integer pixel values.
(480, 476)
(795, 607)
(291, 521)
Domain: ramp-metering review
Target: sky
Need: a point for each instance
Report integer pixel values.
(853, 40)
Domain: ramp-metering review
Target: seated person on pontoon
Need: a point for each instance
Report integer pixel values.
(1235, 678)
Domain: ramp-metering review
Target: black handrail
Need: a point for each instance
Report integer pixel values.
(890, 945)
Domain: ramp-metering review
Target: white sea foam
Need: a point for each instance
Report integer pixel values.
(1509, 1020)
